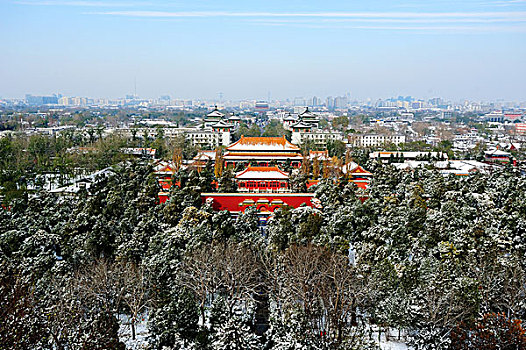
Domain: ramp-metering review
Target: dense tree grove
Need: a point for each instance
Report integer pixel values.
(438, 260)
(29, 163)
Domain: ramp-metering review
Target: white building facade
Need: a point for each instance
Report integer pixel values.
(374, 140)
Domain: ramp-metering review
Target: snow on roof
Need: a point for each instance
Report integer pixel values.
(301, 125)
(215, 113)
(221, 124)
(139, 151)
(264, 154)
(444, 164)
(307, 114)
(205, 155)
(274, 144)
(386, 154)
(354, 168)
(457, 167)
(169, 168)
(458, 172)
(410, 164)
(262, 157)
(471, 163)
(262, 173)
(497, 152)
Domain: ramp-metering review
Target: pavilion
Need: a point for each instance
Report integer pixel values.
(261, 151)
(262, 179)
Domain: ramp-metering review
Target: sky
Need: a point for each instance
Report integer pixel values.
(469, 49)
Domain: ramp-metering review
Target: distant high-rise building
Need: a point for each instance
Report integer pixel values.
(50, 100)
(447, 114)
(65, 101)
(436, 101)
(41, 100)
(33, 100)
(417, 104)
(299, 101)
(329, 103)
(402, 104)
(340, 102)
(79, 101)
(247, 104)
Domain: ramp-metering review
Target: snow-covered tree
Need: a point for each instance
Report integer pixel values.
(235, 334)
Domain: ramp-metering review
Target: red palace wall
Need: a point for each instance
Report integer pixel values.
(265, 202)
(164, 197)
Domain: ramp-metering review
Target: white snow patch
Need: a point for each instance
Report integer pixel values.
(141, 333)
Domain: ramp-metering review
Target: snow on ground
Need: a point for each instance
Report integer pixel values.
(141, 339)
(141, 333)
(391, 344)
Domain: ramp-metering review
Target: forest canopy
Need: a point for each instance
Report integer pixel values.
(433, 257)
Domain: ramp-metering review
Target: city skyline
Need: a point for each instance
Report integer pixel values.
(473, 50)
(221, 102)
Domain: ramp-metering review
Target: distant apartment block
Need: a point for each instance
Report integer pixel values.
(318, 137)
(520, 128)
(206, 138)
(499, 117)
(72, 101)
(495, 117)
(374, 140)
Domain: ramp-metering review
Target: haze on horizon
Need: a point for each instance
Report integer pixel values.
(473, 49)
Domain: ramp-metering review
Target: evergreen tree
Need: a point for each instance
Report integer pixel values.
(227, 183)
(235, 334)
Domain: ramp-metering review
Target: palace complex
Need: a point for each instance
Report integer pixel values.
(263, 181)
(265, 167)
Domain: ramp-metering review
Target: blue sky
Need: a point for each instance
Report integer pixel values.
(473, 49)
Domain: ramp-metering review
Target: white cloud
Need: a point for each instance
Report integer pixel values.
(393, 20)
(398, 20)
(505, 3)
(417, 28)
(507, 21)
(509, 2)
(168, 14)
(79, 3)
